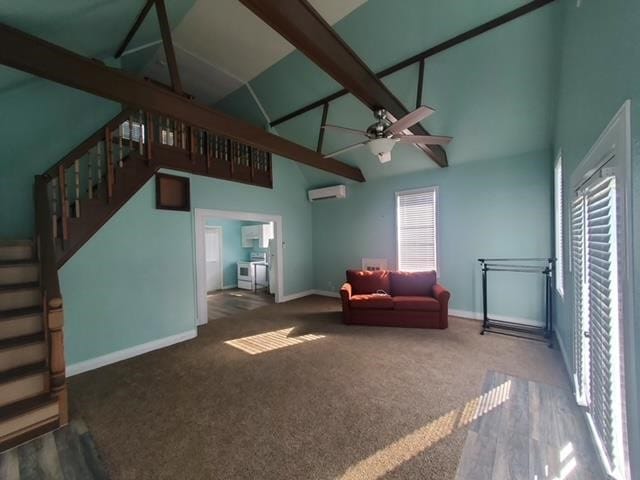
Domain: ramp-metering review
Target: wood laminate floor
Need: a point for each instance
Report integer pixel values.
(526, 430)
(226, 303)
(68, 453)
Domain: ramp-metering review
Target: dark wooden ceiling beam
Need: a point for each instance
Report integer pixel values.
(43, 59)
(299, 23)
(134, 28)
(441, 47)
(169, 52)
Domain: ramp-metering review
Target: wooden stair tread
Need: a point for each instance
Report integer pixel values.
(24, 406)
(19, 286)
(23, 371)
(19, 312)
(22, 340)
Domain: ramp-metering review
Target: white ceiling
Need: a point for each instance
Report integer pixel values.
(221, 45)
(228, 35)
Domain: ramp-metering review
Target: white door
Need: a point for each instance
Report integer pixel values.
(213, 258)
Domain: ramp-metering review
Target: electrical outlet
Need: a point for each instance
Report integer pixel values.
(331, 287)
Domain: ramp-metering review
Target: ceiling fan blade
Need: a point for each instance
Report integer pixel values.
(424, 139)
(410, 119)
(351, 131)
(345, 149)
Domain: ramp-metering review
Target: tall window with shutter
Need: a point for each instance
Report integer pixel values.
(416, 225)
(601, 273)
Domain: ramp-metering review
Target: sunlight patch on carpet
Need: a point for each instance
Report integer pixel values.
(403, 450)
(266, 342)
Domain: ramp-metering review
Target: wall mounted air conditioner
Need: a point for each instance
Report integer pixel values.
(337, 191)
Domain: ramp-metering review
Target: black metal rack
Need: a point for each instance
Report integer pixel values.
(544, 266)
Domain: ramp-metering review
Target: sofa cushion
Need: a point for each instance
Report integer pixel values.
(410, 302)
(412, 283)
(363, 282)
(377, 302)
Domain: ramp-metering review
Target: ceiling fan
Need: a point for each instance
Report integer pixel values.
(384, 134)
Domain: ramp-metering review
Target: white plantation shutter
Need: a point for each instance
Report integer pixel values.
(417, 229)
(580, 345)
(603, 314)
(559, 244)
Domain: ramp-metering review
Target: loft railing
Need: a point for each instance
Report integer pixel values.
(90, 183)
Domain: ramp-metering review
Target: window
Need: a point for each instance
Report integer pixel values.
(416, 224)
(557, 187)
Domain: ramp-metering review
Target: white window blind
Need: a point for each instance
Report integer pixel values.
(601, 264)
(580, 345)
(416, 213)
(557, 175)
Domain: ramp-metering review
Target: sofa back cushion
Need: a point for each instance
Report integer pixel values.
(363, 282)
(412, 283)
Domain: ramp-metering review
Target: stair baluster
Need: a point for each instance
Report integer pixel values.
(89, 175)
(120, 146)
(109, 154)
(64, 203)
(141, 133)
(76, 169)
(130, 133)
(54, 207)
(149, 135)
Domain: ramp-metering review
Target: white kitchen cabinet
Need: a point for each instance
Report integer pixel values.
(262, 233)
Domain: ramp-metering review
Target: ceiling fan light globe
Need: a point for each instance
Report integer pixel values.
(384, 157)
(379, 146)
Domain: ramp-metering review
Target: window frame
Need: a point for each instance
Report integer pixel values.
(558, 209)
(398, 194)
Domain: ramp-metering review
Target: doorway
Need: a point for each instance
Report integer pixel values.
(213, 258)
(204, 220)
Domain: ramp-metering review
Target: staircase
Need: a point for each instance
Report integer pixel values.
(29, 405)
(73, 199)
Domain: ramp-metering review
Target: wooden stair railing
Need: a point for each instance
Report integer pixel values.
(52, 313)
(87, 186)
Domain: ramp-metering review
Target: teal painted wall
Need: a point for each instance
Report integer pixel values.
(40, 123)
(496, 208)
(134, 281)
(600, 69)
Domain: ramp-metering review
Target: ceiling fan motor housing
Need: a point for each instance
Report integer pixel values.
(377, 129)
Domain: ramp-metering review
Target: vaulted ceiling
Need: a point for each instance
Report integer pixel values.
(493, 94)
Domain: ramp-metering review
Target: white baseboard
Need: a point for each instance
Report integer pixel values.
(326, 293)
(118, 356)
(294, 296)
(503, 318)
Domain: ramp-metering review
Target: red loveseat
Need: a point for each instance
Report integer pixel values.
(395, 299)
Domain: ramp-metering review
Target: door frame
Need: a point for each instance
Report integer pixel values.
(200, 216)
(220, 252)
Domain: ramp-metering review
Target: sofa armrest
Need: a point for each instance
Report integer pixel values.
(345, 295)
(442, 295)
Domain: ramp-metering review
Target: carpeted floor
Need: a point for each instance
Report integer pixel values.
(343, 402)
